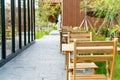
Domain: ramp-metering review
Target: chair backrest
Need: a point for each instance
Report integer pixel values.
(103, 51)
(81, 36)
(65, 28)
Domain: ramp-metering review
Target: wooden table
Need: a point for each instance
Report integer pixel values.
(67, 48)
(70, 48)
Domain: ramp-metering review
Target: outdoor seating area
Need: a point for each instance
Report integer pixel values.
(54, 66)
(60, 40)
(82, 53)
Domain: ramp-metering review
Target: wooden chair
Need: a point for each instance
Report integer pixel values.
(79, 36)
(102, 52)
(63, 36)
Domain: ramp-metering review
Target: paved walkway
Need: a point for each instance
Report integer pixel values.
(41, 61)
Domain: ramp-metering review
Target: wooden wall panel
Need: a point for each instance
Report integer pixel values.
(68, 12)
(78, 15)
(71, 15)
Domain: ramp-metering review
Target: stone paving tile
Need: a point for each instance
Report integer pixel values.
(41, 61)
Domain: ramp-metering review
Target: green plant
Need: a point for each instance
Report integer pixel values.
(101, 68)
(46, 14)
(117, 68)
(105, 32)
(54, 28)
(47, 10)
(98, 37)
(107, 9)
(41, 33)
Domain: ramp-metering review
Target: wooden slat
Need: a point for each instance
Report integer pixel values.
(66, 47)
(93, 58)
(80, 39)
(79, 34)
(94, 49)
(118, 50)
(83, 66)
(89, 77)
(95, 43)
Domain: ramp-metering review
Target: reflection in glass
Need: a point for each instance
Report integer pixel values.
(0, 33)
(16, 26)
(8, 27)
(33, 21)
(30, 17)
(22, 22)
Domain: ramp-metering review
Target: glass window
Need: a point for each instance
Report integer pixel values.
(33, 22)
(8, 27)
(22, 22)
(30, 18)
(16, 26)
(0, 33)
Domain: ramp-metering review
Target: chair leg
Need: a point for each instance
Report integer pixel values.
(60, 41)
(67, 64)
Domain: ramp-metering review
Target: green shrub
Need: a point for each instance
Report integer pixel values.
(98, 37)
(101, 68)
(46, 32)
(41, 33)
(54, 28)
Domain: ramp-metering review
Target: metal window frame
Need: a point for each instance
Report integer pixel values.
(19, 23)
(24, 9)
(3, 29)
(13, 25)
(34, 18)
(5, 58)
(28, 21)
(31, 20)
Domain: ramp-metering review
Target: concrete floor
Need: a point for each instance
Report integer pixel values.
(41, 61)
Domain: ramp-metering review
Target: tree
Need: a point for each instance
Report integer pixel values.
(46, 12)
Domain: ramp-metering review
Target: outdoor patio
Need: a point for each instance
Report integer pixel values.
(41, 61)
(60, 40)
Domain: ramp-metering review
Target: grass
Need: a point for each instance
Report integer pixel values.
(41, 33)
(102, 69)
(54, 28)
(117, 69)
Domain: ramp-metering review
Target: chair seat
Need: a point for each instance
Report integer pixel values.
(88, 77)
(84, 66)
